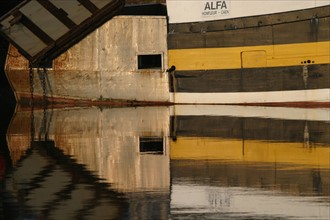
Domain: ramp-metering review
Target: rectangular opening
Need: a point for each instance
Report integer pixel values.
(152, 145)
(150, 61)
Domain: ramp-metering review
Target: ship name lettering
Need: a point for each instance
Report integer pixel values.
(215, 5)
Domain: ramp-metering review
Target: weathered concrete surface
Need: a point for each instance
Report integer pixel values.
(103, 66)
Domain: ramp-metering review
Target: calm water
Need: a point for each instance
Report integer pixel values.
(179, 162)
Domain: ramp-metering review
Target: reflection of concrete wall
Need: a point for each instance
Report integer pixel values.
(104, 64)
(112, 147)
(106, 141)
(19, 135)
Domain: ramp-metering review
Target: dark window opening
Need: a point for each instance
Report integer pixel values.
(151, 145)
(153, 61)
(47, 64)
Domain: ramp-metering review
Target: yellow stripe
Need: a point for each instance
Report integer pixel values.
(296, 154)
(253, 56)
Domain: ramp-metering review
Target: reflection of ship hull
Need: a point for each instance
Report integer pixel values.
(256, 180)
(214, 202)
(271, 176)
(252, 123)
(232, 160)
(255, 135)
(235, 162)
(298, 155)
(209, 164)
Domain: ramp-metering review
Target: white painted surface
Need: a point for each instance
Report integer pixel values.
(309, 114)
(181, 11)
(317, 95)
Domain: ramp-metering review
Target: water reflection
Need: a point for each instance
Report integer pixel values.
(45, 184)
(265, 163)
(114, 145)
(178, 162)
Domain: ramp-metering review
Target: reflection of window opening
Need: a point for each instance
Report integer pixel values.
(48, 65)
(152, 145)
(151, 61)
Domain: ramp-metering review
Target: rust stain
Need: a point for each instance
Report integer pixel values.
(55, 102)
(15, 60)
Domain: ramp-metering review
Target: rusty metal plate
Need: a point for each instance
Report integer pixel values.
(43, 29)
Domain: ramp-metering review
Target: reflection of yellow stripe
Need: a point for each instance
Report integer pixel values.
(250, 151)
(230, 58)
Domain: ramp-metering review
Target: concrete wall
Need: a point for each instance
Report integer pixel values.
(104, 65)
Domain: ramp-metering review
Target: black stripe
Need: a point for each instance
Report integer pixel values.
(89, 6)
(33, 28)
(230, 38)
(250, 128)
(60, 14)
(258, 174)
(154, 9)
(251, 80)
(312, 29)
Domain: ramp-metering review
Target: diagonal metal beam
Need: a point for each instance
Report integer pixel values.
(89, 6)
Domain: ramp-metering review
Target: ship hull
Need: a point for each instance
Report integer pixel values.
(275, 59)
